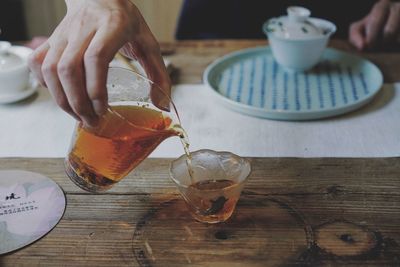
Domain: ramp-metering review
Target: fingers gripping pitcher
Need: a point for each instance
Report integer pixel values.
(126, 134)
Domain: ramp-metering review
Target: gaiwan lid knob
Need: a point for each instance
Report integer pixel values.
(298, 14)
(296, 25)
(8, 60)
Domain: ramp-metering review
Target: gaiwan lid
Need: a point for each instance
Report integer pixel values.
(8, 60)
(296, 25)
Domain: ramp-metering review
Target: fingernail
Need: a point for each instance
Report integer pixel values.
(76, 117)
(99, 107)
(164, 104)
(90, 121)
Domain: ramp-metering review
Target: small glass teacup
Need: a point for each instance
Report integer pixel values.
(213, 187)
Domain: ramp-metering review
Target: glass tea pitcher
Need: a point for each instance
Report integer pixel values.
(129, 131)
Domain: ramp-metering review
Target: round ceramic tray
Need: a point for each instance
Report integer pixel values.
(251, 82)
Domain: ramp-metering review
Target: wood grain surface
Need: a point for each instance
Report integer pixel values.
(191, 57)
(293, 212)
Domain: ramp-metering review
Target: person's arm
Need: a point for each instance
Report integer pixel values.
(73, 62)
(381, 25)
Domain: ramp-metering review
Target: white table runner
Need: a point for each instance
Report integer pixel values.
(38, 128)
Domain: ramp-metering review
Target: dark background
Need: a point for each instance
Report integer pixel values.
(233, 19)
(218, 19)
(12, 20)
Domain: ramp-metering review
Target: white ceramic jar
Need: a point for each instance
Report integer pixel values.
(14, 71)
(298, 41)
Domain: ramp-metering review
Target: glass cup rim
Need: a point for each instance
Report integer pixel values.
(179, 184)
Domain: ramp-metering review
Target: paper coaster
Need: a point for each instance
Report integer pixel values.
(30, 206)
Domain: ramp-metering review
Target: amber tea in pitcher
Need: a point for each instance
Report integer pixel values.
(130, 130)
(101, 157)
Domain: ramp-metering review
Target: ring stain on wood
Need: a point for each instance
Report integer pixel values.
(169, 235)
(333, 241)
(344, 241)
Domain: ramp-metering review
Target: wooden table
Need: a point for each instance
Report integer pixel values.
(302, 211)
(293, 212)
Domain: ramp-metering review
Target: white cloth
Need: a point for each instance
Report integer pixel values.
(37, 128)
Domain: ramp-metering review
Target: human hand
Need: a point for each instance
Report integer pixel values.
(381, 25)
(73, 62)
(36, 42)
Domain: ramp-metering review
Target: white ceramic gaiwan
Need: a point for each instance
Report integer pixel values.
(14, 71)
(298, 41)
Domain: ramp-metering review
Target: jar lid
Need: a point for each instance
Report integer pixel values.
(296, 25)
(8, 60)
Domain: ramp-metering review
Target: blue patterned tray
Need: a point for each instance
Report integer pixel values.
(251, 82)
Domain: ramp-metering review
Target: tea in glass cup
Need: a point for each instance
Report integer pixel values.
(129, 131)
(210, 183)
